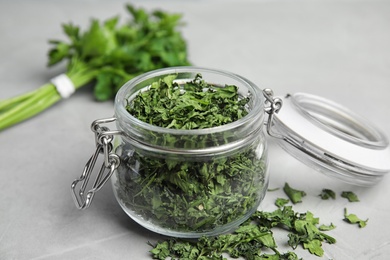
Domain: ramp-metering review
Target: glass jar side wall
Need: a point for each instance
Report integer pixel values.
(191, 196)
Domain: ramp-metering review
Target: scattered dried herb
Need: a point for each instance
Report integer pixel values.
(327, 193)
(306, 232)
(352, 197)
(280, 202)
(182, 193)
(294, 195)
(253, 239)
(248, 241)
(353, 219)
(327, 227)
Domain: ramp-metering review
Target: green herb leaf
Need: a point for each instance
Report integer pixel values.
(353, 219)
(280, 202)
(59, 53)
(352, 197)
(99, 40)
(120, 52)
(314, 247)
(327, 193)
(327, 228)
(294, 195)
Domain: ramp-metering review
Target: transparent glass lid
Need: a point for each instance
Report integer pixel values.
(332, 139)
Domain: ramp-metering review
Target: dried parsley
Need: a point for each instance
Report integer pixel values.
(327, 193)
(253, 239)
(280, 202)
(353, 219)
(327, 227)
(193, 105)
(182, 193)
(350, 196)
(294, 195)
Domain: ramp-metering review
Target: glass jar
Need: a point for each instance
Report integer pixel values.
(190, 183)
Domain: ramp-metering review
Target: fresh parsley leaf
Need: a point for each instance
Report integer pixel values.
(352, 197)
(327, 193)
(353, 219)
(294, 195)
(116, 53)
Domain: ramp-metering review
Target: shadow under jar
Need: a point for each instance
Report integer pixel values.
(189, 183)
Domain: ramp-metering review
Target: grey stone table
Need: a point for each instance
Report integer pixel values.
(336, 49)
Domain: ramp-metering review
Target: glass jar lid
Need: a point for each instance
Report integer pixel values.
(332, 139)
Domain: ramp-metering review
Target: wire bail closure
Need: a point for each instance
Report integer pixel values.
(103, 140)
(272, 107)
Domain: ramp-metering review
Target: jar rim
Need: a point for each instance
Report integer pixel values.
(253, 113)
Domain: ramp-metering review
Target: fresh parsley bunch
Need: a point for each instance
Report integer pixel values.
(107, 54)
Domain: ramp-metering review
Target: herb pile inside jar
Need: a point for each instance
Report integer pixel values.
(200, 194)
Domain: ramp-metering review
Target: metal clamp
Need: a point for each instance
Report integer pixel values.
(103, 139)
(272, 107)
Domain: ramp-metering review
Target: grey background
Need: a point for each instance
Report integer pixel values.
(336, 49)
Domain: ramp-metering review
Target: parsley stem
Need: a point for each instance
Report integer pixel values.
(11, 102)
(42, 98)
(22, 107)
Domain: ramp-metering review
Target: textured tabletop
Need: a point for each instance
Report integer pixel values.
(336, 49)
